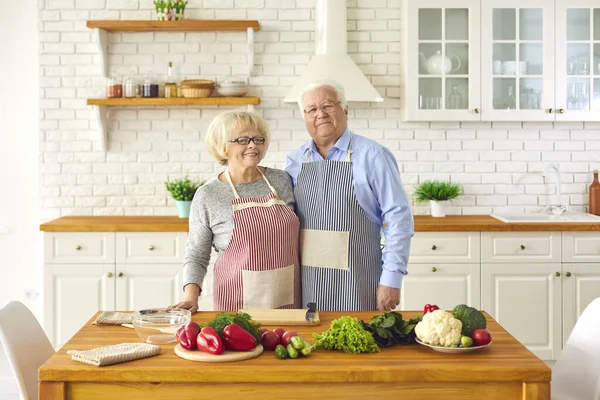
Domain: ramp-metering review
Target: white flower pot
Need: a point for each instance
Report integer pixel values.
(437, 208)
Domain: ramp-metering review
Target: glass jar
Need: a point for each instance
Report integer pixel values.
(114, 88)
(150, 88)
(131, 87)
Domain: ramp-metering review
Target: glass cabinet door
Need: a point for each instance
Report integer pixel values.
(578, 60)
(442, 46)
(517, 60)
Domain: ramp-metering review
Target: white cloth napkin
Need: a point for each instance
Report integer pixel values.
(112, 318)
(115, 354)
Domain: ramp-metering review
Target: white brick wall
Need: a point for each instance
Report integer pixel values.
(498, 164)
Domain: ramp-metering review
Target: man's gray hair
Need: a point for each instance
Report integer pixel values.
(336, 87)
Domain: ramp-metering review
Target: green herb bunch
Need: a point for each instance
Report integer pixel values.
(389, 329)
(348, 335)
(437, 190)
(182, 189)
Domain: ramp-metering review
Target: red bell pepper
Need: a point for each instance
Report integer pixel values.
(210, 341)
(429, 308)
(187, 335)
(237, 338)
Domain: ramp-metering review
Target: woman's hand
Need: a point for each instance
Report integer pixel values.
(190, 300)
(188, 304)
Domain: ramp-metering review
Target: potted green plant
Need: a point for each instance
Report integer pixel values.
(170, 10)
(183, 191)
(438, 193)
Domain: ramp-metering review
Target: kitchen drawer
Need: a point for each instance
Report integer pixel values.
(79, 247)
(150, 247)
(444, 247)
(581, 247)
(508, 247)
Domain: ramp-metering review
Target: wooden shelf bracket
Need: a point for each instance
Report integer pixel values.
(102, 118)
(250, 37)
(101, 37)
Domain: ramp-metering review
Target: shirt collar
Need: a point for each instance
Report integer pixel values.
(341, 144)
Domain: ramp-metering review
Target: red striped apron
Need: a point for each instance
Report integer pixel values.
(260, 267)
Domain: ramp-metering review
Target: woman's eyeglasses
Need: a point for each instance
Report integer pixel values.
(327, 106)
(244, 140)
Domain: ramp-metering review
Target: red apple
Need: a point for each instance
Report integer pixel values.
(279, 332)
(481, 337)
(287, 336)
(270, 340)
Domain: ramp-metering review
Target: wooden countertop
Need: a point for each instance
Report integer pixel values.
(504, 361)
(423, 223)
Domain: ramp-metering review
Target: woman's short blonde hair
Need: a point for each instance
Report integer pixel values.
(224, 125)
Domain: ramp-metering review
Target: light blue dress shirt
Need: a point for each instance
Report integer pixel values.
(379, 192)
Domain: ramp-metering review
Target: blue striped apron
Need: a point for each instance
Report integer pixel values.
(341, 253)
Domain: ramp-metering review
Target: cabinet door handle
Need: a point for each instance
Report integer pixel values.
(150, 247)
(522, 247)
(78, 247)
(110, 275)
(434, 247)
(557, 273)
(568, 274)
(550, 110)
(120, 274)
(433, 269)
(476, 110)
(561, 111)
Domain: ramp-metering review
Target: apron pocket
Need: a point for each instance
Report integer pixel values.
(325, 249)
(268, 289)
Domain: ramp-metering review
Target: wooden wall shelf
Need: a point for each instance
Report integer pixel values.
(170, 26)
(101, 29)
(136, 102)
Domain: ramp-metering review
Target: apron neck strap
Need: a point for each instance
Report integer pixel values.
(348, 154)
(235, 193)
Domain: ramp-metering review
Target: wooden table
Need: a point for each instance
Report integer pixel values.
(505, 370)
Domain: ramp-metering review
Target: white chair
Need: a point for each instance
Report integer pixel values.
(576, 374)
(26, 346)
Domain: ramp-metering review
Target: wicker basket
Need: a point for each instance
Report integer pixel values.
(194, 88)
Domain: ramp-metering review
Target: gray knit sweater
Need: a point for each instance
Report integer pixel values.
(211, 218)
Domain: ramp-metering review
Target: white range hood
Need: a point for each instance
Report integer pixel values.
(331, 60)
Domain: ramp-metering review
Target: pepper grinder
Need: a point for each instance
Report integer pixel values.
(595, 195)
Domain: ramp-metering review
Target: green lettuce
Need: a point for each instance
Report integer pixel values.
(348, 335)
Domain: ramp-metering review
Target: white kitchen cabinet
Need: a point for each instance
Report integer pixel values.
(581, 247)
(517, 60)
(445, 285)
(444, 247)
(515, 247)
(577, 60)
(526, 299)
(442, 60)
(581, 285)
(520, 60)
(443, 269)
(72, 293)
(86, 272)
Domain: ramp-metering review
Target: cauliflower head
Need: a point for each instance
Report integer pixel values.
(439, 328)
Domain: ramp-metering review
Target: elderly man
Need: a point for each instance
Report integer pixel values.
(347, 189)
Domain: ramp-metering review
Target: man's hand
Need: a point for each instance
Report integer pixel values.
(388, 298)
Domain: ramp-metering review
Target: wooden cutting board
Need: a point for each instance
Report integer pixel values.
(281, 317)
(226, 356)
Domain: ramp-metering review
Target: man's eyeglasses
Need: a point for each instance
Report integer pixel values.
(244, 140)
(327, 106)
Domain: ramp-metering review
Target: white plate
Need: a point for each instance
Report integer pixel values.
(442, 349)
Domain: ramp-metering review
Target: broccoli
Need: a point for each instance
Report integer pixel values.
(459, 310)
(472, 319)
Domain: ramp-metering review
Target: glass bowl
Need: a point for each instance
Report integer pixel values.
(159, 325)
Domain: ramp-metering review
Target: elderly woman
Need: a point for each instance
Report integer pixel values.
(247, 214)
